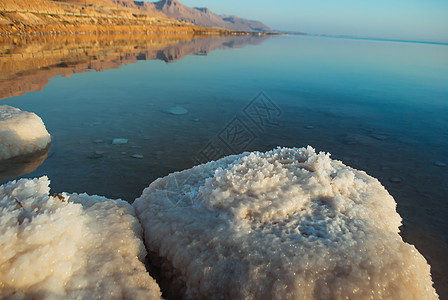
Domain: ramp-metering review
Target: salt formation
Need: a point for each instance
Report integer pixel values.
(21, 132)
(69, 246)
(176, 110)
(119, 141)
(286, 224)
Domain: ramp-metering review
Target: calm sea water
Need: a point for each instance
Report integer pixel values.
(379, 106)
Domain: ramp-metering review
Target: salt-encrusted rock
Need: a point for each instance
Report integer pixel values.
(286, 224)
(21, 132)
(69, 246)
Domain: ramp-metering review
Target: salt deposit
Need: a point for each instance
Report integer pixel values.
(119, 141)
(286, 224)
(21, 132)
(69, 247)
(176, 110)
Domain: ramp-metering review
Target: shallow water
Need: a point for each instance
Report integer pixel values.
(379, 106)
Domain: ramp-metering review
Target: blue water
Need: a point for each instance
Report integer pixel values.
(380, 106)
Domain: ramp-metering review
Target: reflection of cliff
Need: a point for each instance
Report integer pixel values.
(27, 65)
(203, 46)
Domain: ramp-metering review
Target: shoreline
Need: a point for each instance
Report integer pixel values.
(53, 30)
(84, 29)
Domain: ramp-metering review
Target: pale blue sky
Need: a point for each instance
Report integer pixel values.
(396, 19)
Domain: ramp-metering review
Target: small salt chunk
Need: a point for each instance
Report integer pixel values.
(21, 132)
(138, 156)
(119, 141)
(176, 110)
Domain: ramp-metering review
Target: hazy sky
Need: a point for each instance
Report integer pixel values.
(398, 19)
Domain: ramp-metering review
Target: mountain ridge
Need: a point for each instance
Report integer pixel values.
(202, 16)
(24, 17)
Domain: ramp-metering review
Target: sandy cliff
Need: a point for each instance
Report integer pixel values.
(86, 16)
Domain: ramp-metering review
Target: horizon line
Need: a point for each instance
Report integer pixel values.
(365, 38)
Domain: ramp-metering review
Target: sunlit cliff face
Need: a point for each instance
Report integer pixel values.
(21, 132)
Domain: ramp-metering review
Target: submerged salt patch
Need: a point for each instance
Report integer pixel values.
(176, 110)
(286, 224)
(74, 246)
(119, 141)
(21, 132)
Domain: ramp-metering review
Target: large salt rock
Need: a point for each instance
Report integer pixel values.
(80, 247)
(21, 132)
(286, 224)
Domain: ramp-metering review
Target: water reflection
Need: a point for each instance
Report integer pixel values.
(27, 64)
(22, 165)
(377, 106)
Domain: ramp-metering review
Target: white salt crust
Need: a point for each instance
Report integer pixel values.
(21, 132)
(81, 247)
(286, 224)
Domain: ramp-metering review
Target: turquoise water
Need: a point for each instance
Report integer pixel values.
(379, 106)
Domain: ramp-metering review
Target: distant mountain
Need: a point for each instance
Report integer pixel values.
(197, 16)
(251, 24)
(204, 17)
(140, 5)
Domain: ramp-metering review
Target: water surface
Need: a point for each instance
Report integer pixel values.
(379, 106)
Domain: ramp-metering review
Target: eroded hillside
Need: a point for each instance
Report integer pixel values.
(87, 16)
